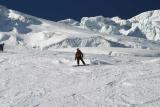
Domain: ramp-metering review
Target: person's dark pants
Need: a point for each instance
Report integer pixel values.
(78, 59)
(1, 48)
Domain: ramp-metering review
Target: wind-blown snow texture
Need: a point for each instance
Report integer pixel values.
(36, 65)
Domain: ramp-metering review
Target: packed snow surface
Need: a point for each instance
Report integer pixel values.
(37, 70)
(115, 78)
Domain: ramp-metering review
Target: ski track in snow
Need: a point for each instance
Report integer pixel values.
(47, 79)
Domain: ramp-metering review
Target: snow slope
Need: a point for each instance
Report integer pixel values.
(36, 65)
(115, 78)
(39, 33)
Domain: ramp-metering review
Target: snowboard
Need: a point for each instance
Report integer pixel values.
(80, 65)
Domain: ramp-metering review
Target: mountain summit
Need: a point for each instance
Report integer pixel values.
(89, 32)
(146, 25)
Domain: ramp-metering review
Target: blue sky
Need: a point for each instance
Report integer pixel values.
(76, 9)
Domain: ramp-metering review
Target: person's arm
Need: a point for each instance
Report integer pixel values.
(82, 54)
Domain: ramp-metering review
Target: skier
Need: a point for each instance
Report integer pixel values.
(1, 47)
(79, 56)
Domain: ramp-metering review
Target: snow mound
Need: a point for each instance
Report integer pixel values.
(53, 40)
(84, 42)
(157, 60)
(70, 22)
(99, 62)
(100, 24)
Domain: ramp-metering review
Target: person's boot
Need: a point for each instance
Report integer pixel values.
(83, 62)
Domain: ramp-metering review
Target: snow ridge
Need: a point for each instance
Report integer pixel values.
(90, 32)
(145, 25)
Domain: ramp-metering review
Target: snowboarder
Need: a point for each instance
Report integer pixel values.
(1, 47)
(79, 56)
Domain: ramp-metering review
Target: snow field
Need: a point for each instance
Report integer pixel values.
(47, 78)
